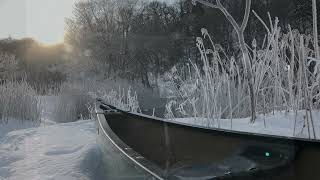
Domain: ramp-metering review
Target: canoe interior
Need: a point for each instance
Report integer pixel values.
(187, 152)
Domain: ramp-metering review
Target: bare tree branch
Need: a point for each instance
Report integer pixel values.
(223, 10)
(246, 16)
(229, 16)
(262, 22)
(206, 3)
(315, 29)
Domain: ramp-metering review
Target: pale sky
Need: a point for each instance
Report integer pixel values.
(42, 20)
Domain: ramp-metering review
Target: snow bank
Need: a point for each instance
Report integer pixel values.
(62, 151)
(14, 124)
(279, 124)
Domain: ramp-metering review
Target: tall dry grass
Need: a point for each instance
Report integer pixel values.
(124, 99)
(285, 76)
(18, 100)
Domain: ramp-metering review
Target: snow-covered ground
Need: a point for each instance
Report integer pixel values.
(280, 124)
(49, 151)
(69, 151)
(13, 125)
(57, 152)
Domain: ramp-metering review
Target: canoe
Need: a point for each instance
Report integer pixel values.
(155, 148)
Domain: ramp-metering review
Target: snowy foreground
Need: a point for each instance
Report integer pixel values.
(70, 152)
(62, 151)
(279, 124)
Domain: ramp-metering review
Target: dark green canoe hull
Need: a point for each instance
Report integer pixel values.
(166, 150)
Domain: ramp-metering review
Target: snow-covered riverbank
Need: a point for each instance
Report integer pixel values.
(62, 151)
(288, 124)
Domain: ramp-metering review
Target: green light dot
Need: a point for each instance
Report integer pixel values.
(267, 154)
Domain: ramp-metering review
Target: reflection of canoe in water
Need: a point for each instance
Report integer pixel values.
(166, 150)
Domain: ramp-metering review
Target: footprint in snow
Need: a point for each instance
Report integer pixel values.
(63, 151)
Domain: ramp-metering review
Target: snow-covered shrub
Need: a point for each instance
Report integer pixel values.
(123, 99)
(76, 98)
(18, 100)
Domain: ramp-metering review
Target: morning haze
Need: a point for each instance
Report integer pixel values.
(42, 20)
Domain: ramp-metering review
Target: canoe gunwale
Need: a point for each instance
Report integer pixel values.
(126, 150)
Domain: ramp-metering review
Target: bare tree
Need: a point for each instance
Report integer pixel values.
(315, 29)
(245, 52)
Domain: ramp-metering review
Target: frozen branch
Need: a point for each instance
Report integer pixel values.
(219, 6)
(262, 22)
(206, 3)
(246, 16)
(315, 29)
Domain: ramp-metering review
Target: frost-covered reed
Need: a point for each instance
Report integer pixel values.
(76, 98)
(19, 101)
(122, 98)
(72, 107)
(285, 76)
(73, 101)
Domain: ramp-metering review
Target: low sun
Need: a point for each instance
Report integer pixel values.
(46, 19)
(48, 39)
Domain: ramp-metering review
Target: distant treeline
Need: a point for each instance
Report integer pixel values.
(33, 62)
(142, 39)
(136, 37)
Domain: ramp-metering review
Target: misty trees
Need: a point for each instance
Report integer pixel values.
(129, 37)
(302, 14)
(36, 64)
(135, 38)
(8, 66)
